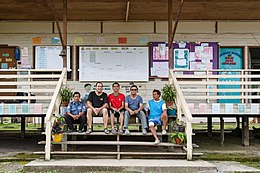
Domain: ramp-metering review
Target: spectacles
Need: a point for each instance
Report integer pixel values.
(133, 89)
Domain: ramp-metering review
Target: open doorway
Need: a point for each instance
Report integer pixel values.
(255, 58)
(254, 62)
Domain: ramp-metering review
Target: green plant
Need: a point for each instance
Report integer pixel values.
(168, 93)
(58, 124)
(65, 94)
(178, 137)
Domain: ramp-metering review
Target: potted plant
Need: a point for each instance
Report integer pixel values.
(57, 128)
(65, 96)
(178, 137)
(169, 95)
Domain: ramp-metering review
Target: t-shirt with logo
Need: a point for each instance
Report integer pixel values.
(97, 100)
(116, 101)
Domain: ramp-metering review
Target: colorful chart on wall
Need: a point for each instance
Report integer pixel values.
(47, 57)
(230, 59)
(192, 56)
(113, 63)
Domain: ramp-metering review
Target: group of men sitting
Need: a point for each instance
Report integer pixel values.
(117, 105)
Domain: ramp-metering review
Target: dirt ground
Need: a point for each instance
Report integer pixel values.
(15, 151)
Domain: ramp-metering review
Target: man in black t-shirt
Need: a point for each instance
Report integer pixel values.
(97, 106)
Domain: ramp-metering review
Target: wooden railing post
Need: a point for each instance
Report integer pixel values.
(48, 140)
(183, 108)
(189, 139)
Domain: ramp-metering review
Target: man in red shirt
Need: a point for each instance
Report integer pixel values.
(116, 103)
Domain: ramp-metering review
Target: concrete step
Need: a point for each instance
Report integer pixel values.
(123, 165)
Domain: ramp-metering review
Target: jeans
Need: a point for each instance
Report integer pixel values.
(140, 115)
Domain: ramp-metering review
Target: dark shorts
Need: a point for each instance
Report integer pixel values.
(116, 114)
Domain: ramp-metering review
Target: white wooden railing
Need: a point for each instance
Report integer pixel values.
(198, 87)
(207, 87)
(54, 107)
(40, 86)
(182, 108)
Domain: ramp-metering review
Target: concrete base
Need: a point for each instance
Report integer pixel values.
(124, 165)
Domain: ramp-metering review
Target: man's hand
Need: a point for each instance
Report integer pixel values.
(131, 112)
(136, 111)
(164, 115)
(96, 110)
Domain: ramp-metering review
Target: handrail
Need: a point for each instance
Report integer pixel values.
(182, 106)
(55, 95)
(54, 105)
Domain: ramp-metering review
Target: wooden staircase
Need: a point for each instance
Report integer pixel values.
(135, 145)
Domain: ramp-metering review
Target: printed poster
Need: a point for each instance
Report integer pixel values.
(37, 108)
(25, 108)
(181, 58)
(160, 52)
(254, 108)
(12, 109)
(229, 108)
(203, 108)
(1, 109)
(230, 59)
(215, 108)
(241, 108)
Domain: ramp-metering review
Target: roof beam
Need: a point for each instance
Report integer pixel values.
(176, 22)
(127, 10)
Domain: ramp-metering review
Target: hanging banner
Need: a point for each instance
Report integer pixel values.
(230, 59)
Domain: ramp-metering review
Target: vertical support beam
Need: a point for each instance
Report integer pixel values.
(65, 4)
(118, 147)
(189, 139)
(170, 18)
(22, 126)
(48, 140)
(209, 126)
(222, 131)
(245, 131)
(42, 123)
(238, 122)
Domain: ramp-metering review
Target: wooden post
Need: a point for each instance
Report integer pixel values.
(170, 18)
(209, 126)
(245, 131)
(48, 140)
(189, 139)
(222, 131)
(22, 126)
(238, 122)
(65, 33)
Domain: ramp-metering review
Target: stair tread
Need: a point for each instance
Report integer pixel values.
(114, 143)
(123, 153)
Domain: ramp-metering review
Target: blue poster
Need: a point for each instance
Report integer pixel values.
(230, 59)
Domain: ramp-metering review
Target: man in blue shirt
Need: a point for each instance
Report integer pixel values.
(75, 113)
(134, 107)
(157, 115)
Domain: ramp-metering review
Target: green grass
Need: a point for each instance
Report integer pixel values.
(252, 164)
(216, 126)
(201, 126)
(17, 126)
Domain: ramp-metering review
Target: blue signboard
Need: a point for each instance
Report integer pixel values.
(230, 59)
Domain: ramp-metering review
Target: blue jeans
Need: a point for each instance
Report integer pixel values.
(140, 115)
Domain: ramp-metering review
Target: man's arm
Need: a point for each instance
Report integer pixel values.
(127, 108)
(82, 113)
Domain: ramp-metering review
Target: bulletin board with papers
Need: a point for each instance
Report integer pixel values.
(190, 56)
(47, 57)
(113, 63)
